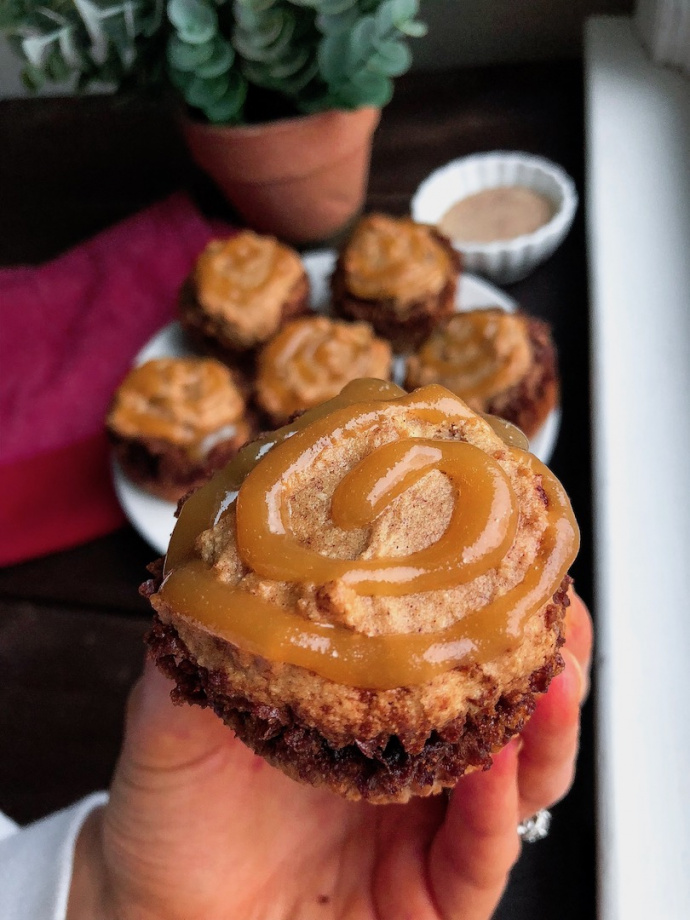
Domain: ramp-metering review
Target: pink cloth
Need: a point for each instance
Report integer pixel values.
(68, 333)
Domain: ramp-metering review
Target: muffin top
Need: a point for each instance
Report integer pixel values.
(245, 280)
(476, 354)
(311, 359)
(398, 259)
(189, 402)
(379, 542)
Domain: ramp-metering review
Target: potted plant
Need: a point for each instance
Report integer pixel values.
(276, 93)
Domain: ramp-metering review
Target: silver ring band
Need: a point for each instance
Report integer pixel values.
(535, 828)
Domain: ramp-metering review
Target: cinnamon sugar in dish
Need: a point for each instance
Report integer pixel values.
(505, 211)
(496, 214)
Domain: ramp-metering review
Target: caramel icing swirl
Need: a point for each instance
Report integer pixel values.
(477, 355)
(181, 400)
(399, 259)
(311, 359)
(247, 279)
(480, 533)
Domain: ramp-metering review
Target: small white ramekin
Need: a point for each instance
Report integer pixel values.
(504, 260)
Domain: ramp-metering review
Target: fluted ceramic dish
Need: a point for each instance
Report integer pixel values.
(503, 261)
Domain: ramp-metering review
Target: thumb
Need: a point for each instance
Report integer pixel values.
(162, 736)
(164, 797)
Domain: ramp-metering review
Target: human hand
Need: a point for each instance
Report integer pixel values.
(199, 828)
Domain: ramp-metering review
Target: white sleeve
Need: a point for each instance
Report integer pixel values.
(7, 826)
(36, 862)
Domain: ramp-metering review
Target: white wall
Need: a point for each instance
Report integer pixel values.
(462, 32)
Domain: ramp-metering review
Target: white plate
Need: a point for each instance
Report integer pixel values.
(154, 518)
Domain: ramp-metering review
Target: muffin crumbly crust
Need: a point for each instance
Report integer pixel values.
(384, 769)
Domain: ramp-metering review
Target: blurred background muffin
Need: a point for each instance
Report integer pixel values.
(311, 359)
(399, 275)
(240, 292)
(498, 362)
(173, 421)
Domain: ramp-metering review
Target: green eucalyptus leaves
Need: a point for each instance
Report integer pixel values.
(314, 54)
(93, 40)
(201, 62)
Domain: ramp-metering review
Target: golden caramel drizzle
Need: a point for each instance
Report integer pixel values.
(181, 400)
(311, 359)
(245, 276)
(473, 543)
(203, 509)
(476, 354)
(395, 258)
(510, 434)
(480, 532)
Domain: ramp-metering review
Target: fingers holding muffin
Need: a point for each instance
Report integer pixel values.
(551, 738)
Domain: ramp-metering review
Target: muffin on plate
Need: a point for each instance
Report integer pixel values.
(498, 362)
(398, 275)
(311, 359)
(241, 291)
(372, 596)
(173, 421)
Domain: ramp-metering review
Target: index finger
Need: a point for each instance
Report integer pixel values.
(477, 844)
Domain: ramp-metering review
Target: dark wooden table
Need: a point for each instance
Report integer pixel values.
(71, 623)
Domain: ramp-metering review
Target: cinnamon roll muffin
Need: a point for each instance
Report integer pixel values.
(173, 421)
(498, 362)
(371, 597)
(310, 360)
(241, 291)
(398, 275)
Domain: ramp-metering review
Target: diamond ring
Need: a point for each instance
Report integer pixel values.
(535, 828)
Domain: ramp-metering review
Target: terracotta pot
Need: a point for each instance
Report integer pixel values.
(302, 179)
